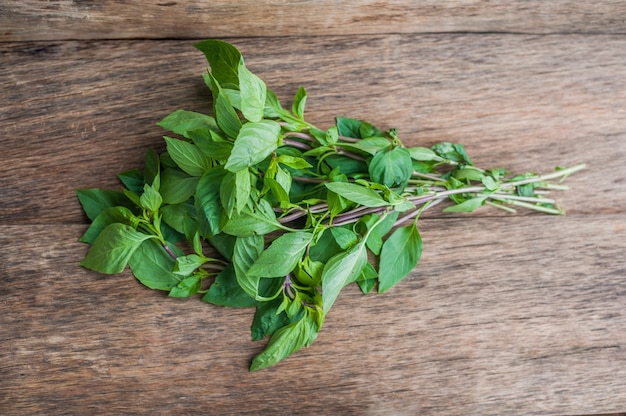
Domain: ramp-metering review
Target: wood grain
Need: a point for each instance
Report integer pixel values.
(77, 113)
(523, 315)
(506, 314)
(65, 19)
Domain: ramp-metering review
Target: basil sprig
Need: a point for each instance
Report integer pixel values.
(293, 212)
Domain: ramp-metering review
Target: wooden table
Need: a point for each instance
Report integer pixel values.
(506, 314)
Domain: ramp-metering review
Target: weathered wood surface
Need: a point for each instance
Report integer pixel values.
(86, 111)
(108, 19)
(506, 314)
(514, 316)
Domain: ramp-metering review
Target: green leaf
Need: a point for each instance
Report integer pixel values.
(186, 265)
(132, 179)
(253, 94)
(255, 142)
(299, 102)
(282, 256)
(188, 156)
(344, 237)
(207, 200)
(259, 220)
(211, 143)
(151, 199)
(371, 145)
(349, 127)
(391, 167)
(225, 291)
(468, 205)
(357, 193)
(368, 279)
(94, 200)
(152, 266)
(285, 342)
(267, 319)
(177, 186)
(273, 109)
(223, 58)
(293, 161)
(375, 238)
(246, 251)
(179, 216)
(399, 255)
(107, 217)
(423, 154)
(187, 287)
(228, 193)
(151, 168)
(183, 122)
(226, 117)
(111, 250)
(242, 188)
(341, 270)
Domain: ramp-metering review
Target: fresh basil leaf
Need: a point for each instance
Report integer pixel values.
(467, 205)
(392, 168)
(293, 161)
(112, 248)
(341, 270)
(299, 102)
(325, 247)
(246, 251)
(188, 156)
(399, 255)
(368, 279)
(207, 200)
(211, 143)
(151, 199)
(186, 265)
(259, 220)
(179, 216)
(94, 200)
(368, 130)
(283, 343)
(267, 319)
(224, 244)
(253, 94)
(189, 286)
(371, 145)
(226, 117)
(152, 266)
(183, 122)
(344, 237)
(133, 180)
(423, 154)
(223, 58)
(255, 142)
(107, 217)
(151, 168)
(357, 193)
(349, 127)
(282, 256)
(375, 238)
(225, 291)
(177, 186)
(228, 193)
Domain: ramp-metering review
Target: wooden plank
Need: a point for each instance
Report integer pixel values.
(36, 20)
(74, 114)
(523, 315)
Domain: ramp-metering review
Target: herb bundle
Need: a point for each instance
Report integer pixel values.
(295, 212)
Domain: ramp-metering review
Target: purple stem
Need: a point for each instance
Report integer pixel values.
(297, 144)
(170, 252)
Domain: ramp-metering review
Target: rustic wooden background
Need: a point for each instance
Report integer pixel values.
(506, 314)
